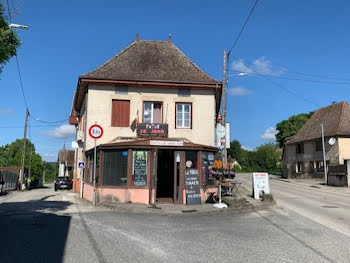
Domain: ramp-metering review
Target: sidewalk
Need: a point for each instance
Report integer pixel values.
(243, 202)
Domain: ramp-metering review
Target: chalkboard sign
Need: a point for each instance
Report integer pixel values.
(193, 194)
(140, 168)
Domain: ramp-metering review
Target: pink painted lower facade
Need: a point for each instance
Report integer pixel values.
(145, 174)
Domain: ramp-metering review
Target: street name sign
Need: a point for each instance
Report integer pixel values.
(260, 183)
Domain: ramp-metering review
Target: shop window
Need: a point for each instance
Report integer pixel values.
(139, 169)
(191, 159)
(318, 145)
(184, 115)
(300, 148)
(120, 113)
(115, 164)
(152, 112)
(207, 162)
(89, 176)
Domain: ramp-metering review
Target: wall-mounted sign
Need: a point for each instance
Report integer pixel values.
(166, 143)
(260, 183)
(139, 168)
(193, 194)
(152, 129)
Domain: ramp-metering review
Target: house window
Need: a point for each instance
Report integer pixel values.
(152, 112)
(299, 167)
(318, 144)
(121, 90)
(115, 164)
(300, 148)
(184, 93)
(120, 113)
(139, 170)
(184, 115)
(207, 162)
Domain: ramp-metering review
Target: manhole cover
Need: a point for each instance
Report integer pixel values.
(329, 206)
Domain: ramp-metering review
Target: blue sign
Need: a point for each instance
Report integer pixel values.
(81, 165)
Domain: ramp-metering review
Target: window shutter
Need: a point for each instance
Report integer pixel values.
(120, 113)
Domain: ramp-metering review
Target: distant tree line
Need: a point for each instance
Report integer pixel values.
(11, 154)
(265, 158)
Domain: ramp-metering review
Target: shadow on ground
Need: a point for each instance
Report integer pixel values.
(29, 235)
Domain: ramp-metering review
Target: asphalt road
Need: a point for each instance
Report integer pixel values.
(46, 226)
(326, 205)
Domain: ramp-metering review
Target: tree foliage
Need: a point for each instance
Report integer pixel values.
(11, 154)
(266, 158)
(290, 127)
(9, 41)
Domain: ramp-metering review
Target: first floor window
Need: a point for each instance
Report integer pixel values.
(152, 112)
(184, 115)
(120, 113)
(115, 164)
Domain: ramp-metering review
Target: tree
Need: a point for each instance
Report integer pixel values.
(9, 41)
(11, 154)
(268, 157)
(290, 127)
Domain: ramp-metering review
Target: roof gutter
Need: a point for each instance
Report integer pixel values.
(147, 83)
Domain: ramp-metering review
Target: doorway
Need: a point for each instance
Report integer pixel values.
(165, 176)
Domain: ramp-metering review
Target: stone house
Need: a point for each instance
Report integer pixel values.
(158, 111)
(303, 153)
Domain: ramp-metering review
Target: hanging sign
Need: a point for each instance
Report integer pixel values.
(260, 183)
(193, 194)
(95, 131)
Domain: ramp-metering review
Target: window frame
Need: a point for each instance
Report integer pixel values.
(121, 185)
(299, 150)
(152, 108)
(183, 113)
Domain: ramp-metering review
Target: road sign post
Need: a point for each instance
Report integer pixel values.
(95, 132)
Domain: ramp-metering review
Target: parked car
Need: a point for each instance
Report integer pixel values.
(63, 183)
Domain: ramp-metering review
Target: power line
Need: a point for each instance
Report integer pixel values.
(33, 126)
(299, 79)
(48, 122)
(283, 88)
(244, 25)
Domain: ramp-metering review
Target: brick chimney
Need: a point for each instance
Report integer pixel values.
(137, 37)
(169, 39)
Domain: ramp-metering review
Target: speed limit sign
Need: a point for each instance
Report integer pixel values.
(96, 131)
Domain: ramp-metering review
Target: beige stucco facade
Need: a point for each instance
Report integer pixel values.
(99, 110)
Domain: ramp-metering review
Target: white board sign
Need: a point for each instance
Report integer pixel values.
(166, 143)
(260, 183)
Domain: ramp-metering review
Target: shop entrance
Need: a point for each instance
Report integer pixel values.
(165, 176)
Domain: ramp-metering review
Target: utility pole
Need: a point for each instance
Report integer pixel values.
(223, 100)
(21, 174)
(324, 157)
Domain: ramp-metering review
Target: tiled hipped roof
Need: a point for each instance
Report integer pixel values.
(335, 119)
(146, 60)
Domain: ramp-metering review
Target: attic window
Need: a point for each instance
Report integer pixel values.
(121, 90)
(184, 93)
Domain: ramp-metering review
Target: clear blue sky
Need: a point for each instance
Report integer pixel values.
(69, 38)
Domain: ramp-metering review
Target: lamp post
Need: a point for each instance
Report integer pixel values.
(18, 26)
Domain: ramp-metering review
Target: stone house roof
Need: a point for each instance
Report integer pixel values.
(335, 119)
(146, 60)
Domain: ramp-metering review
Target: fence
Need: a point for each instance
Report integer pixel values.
(8, 181)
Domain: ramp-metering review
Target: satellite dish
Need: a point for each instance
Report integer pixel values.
(332, 141)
